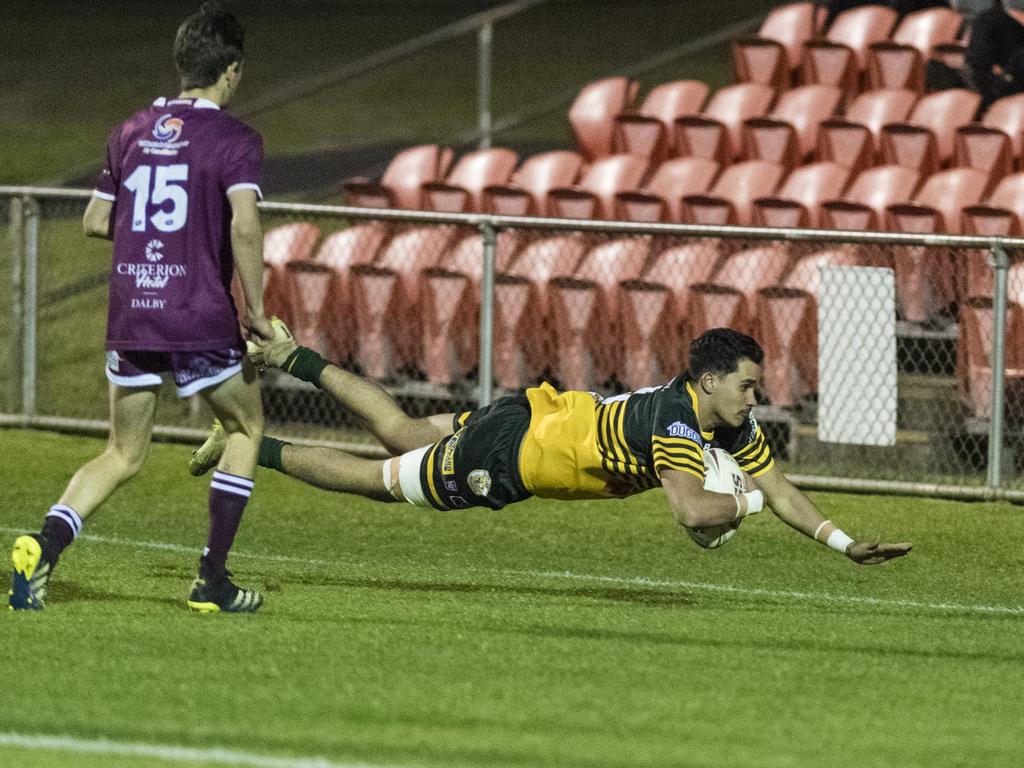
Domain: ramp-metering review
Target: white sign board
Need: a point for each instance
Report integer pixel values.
(857, 356)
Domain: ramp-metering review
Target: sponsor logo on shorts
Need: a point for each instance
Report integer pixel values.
(678, 429)
(113, 362)
(479, 482)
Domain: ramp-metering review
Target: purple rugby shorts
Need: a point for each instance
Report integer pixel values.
(192, 371)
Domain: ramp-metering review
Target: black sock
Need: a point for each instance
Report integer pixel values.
(60, 527)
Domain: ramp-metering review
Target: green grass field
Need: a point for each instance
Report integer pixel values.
(587, 634)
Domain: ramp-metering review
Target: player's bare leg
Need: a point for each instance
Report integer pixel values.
(131, 427)
(334, 470)
(371, 404)
(34, 556)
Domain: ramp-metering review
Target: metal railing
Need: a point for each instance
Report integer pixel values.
(23, 208)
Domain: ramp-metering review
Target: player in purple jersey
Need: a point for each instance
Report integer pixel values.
(177, 196)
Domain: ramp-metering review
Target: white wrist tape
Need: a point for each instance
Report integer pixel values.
(839, 541)
(755, 502)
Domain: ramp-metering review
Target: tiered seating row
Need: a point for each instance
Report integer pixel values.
(831, 132)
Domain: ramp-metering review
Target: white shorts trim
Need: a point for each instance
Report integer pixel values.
(409, 476)
(155, 379)
(246, 185)
(142, 380)
(104, 195)
(199, 384)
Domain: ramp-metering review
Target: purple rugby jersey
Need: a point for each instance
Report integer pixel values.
(168, 171)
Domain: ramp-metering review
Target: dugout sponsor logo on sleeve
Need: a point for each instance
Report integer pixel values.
(678, 429)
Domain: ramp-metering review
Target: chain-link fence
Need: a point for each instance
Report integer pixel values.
(879, 348)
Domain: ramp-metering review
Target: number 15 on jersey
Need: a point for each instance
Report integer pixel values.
(164, 189)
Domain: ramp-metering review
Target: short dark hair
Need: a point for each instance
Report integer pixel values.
(719, 351)
(207, 43)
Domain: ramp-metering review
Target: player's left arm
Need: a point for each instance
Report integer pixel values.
(96, 221)
(796, 510)
(247, 245)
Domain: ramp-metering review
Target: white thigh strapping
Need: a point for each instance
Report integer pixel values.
(409, 476)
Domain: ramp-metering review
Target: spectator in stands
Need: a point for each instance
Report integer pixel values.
(995, 53)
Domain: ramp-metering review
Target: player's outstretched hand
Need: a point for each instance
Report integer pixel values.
(259, 329)
(875, 552)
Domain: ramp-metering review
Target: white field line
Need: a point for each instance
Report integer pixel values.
(213, 756)
(697, 586)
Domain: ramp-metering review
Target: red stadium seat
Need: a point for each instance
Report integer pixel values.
(463, 188)
(899, 62)
(715, 306)
(402, 182)
(752, 269)
(647, 132)
(974, 354)
(314, 313)
(390, 322)
(281, 245)
(1001, 215)
(798, 201)
(660, 198)
(789, 132)
(994, 144)
(522, 346)
(840, 58)
(786, 323)
(730, 200)
(526, 193)
(584, 311)
(875, 189)
(925, 278)
(925, 141)
(592, 115)
(716, 132)
(852, 140)
(594, 196)
(771, 56)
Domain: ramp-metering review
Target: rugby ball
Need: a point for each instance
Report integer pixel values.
(721, 475)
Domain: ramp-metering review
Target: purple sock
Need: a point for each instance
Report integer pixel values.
(228, 496)
(60, 527)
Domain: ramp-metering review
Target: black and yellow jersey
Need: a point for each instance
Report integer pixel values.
(580, 445)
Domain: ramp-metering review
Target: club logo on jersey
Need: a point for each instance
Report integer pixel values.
(479, 482)
(153, 250)
(678, 429)
(168, 128)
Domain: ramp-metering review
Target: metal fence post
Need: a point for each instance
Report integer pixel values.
(1000, 264)
(485, 37)
(17, 235)
(30, 307)
(487, 316)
